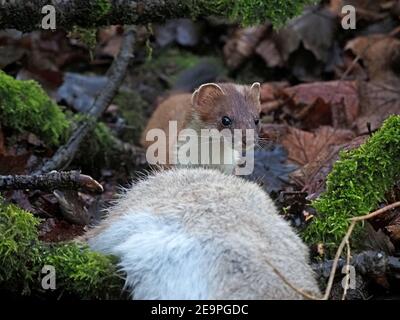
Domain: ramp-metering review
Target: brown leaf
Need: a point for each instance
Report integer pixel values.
(314, 102)
(315, 29)
(394, 231)
(381, 56)
(271, 91)
(268, 50)
(313, 175)
(271, 96)
(378, 101)
(304, 147)
(243, 44)
(370, 10)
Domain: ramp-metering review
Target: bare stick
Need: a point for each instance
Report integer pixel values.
(65, 154)
(336, 260)
(293, 287)
(70, 180)
(377, 212)
(353, 220)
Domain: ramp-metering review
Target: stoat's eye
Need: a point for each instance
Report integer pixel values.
(226, 121)
(257, 121)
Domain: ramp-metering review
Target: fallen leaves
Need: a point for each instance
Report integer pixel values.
(314, 102)
(381, 56)
(377, 101)
(242, 45)
(305, 147)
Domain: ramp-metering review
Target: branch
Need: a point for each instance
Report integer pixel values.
(70, 180)
(27, 15)
(65, 154)
(346, 238)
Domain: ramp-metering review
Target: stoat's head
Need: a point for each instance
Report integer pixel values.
(231, 107)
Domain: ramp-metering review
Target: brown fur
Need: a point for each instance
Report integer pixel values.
(206, 108)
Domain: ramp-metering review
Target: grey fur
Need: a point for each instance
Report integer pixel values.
(201, 234)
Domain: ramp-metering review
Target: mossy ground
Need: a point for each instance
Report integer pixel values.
(357, 184)
(252, 12)
(80, 272)
(24, 106)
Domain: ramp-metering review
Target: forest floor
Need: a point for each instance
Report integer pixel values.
(324, 89)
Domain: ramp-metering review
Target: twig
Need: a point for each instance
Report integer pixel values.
(69, 180)
(336, 260)
(377, 212)
(290, 285)
(65, 154)
(353, 220)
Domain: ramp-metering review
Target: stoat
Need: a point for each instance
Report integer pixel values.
(200, 234)
(212, 106)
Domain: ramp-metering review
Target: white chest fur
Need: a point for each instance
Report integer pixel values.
(193, 149)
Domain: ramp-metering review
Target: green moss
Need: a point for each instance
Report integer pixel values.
(252, 12)
(87, 36)
(103, 137)
(83, 272)
(18, 247)
(357, 184)
(102, 8)
(80, 272)
(24, 106)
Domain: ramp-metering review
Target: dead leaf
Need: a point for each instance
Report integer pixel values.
(377, 101)
(304, 147)
(315, 29)
(271, 91)
(271, 96)
(268, 50)
(313, 102)
(369, 10)
(312, 176)
(381, 56)
(243, 44)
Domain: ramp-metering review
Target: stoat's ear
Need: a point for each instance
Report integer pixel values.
(206, 93)
(255, 91)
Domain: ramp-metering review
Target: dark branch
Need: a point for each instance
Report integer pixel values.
(27, 15)
(71, 180)
(65, 154)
